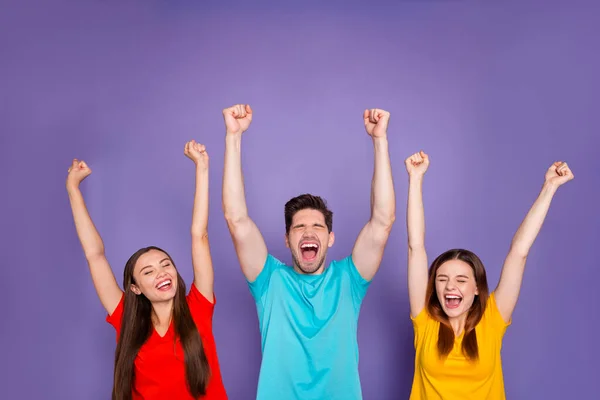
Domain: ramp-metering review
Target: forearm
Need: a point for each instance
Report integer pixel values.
(531, 225)
(415, 213)
(200, 211)
(234, 199)
(383, 198)
(86, 231)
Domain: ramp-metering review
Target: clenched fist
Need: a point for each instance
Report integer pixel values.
(78, 171)
(376, 122)
(237, 118)
(417, 164)
(197, 153)
(558, 174)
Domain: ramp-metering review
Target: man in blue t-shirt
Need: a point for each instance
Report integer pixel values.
(308, 313)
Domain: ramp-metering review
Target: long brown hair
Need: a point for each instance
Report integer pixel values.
(136, 328)
(446, 333)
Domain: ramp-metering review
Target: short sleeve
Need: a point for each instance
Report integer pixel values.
(115, 319)
(359, 284)
(201, 308)
(260, 285)
(419, 323)
(493, 316)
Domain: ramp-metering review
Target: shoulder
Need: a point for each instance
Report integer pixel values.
(492, 317)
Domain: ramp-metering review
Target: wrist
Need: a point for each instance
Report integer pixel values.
(380, 139)
(200, 167)
(233, 135)
(416, 177)
(549, 187)
(72, 188)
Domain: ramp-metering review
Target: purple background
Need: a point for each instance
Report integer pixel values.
(494, 93)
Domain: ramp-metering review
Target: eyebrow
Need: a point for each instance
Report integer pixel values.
(303, 225)
(458, 276)
(150, 266)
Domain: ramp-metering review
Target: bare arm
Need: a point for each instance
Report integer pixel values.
(509, 287)
(416, 165)
(247, 239)
(201, 259)
(370, 244)
(102, 276)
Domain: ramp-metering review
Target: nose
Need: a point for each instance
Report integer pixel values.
(450, 284)
(308, 233)
(162, 275)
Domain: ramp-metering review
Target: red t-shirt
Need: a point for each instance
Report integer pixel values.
(160, 369)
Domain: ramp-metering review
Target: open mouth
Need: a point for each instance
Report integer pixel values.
(165, 285)
(452, 300)
(309, 251)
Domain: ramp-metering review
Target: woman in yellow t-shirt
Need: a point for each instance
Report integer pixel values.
(458, 324)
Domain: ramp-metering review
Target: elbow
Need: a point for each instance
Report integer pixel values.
(199, 234)
(518, 251)
(232, 219)
(415, 247)
(385, 221)
(96, 254)
(235, 222)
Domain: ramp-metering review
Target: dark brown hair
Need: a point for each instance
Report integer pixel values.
(136, 328)
(446, 333)
(303, 202)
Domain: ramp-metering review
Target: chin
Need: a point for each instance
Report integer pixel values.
(456, 312)
(309, 269)
(170, 295)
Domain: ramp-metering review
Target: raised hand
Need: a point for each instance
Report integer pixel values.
(237, 118)
(197, 153)
(417, 164)
(558, 174)
(376, 122)
(78, 171)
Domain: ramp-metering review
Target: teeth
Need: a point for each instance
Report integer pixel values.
(309, 245)
(164, 284)
(452, 297)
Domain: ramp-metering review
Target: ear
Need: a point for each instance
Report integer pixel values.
(331, 239)
(287, 241)
(135, 289)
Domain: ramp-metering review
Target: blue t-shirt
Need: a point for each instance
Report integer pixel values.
(308, 325)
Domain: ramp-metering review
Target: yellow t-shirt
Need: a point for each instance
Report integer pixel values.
(457, 378)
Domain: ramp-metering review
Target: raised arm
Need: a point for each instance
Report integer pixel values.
(371, 241)
(201, 259)
(507, 292)
(104, 280)
(416, 166)
(247, 239)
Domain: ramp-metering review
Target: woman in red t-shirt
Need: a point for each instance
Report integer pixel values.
(165, 345)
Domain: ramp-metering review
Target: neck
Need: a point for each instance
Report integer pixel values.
(317, 272)
(458, 323)
(162, 313)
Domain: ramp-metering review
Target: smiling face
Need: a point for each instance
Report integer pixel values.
(456, 287)
(308, 239)
(155, 276)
